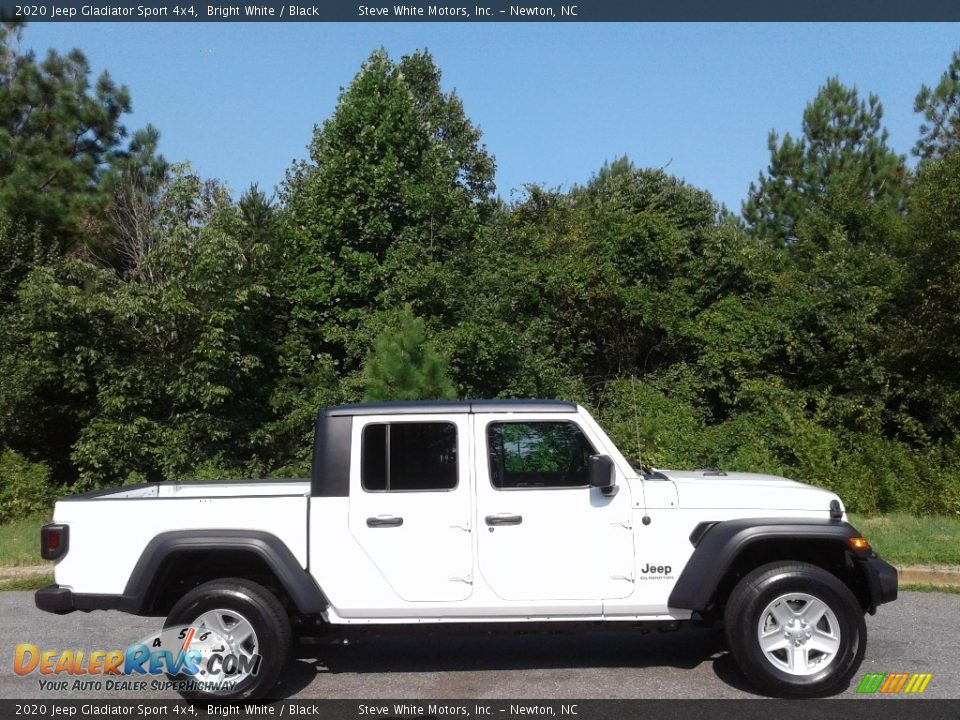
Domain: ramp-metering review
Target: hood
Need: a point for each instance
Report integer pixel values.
(716, 489)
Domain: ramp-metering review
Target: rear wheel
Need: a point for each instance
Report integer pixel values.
(795, 630)
(241, 637)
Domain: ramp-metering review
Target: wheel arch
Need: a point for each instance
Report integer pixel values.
(174, 562)
(727, 551)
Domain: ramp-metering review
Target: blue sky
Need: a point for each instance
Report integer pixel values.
(554, 101)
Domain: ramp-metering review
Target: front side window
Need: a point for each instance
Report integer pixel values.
(552, 454)
(409, 456)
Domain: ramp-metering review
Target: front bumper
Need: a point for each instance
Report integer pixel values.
(881, 580)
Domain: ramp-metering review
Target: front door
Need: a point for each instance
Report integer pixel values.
(410, 504)
(543, 532)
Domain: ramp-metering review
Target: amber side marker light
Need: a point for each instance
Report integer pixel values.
(859, 543)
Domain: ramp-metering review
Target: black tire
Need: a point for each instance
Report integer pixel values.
(264, 613)
(747, 608)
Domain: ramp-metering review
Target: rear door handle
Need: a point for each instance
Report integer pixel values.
(384, 521)
(504, 519)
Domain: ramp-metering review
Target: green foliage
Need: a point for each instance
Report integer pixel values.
(396, 183)
(782, 433)
(929, 321)
(20, 250)
(843, 141)
(155, 374)
(198, 336)
(61, 141)
(405, 366)
(193, 381)
(940, 107)
(58, 336)
(656, 422)
(24, 487)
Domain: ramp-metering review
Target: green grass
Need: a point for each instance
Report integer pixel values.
(31, 582)
(20, 542)
(902, 539)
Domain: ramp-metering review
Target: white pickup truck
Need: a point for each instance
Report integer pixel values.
(502, 512)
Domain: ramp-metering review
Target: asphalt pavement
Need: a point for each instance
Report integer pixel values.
(918, 633)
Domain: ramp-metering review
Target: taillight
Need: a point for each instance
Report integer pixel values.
(54, 541)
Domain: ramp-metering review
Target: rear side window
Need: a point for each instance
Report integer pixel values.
(538, 455)
(409, 456)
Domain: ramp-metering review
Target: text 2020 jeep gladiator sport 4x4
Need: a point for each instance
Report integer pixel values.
(509, 512)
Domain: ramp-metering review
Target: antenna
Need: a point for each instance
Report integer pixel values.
(636, 424)
(636, 419)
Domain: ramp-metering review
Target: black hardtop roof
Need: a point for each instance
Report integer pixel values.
(424, 407)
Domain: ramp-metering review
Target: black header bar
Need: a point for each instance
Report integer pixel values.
(484, 11)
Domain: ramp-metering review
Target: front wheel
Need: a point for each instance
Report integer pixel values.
(240, 639)
(795, 630)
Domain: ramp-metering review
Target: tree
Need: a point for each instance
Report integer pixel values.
(61, 139)
(396, 185)
(830, 207)
(570, 289)
(161, 373)
(136, 181)
(405, 366)
(21, 249)
(928, 329)
(843, 141)
(188, 382)
(58, 339)
(940, 107)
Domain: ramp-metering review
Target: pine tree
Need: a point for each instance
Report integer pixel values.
(405, 366)
(62, 143)
(843, 143)
(940, 106)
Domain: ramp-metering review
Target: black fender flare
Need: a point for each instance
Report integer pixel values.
(719, 545)
(141, 586)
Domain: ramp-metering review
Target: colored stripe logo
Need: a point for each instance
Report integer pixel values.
(894, 683)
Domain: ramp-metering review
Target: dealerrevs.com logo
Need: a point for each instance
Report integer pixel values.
(197, 658)
(894, 683)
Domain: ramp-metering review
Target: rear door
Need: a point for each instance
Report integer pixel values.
(543, 533)
(410, 503)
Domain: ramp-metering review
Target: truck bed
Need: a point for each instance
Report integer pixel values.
(116, 525)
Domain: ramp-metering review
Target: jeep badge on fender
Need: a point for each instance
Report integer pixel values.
(501, 512)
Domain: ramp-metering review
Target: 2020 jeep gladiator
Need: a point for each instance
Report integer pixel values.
(496, 512)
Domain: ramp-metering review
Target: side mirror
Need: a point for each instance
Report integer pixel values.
(603, 474)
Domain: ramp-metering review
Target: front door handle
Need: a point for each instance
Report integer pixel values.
(384, 521)
(504, 519)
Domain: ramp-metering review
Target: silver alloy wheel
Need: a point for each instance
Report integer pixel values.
(233, 638)
(799, 634)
